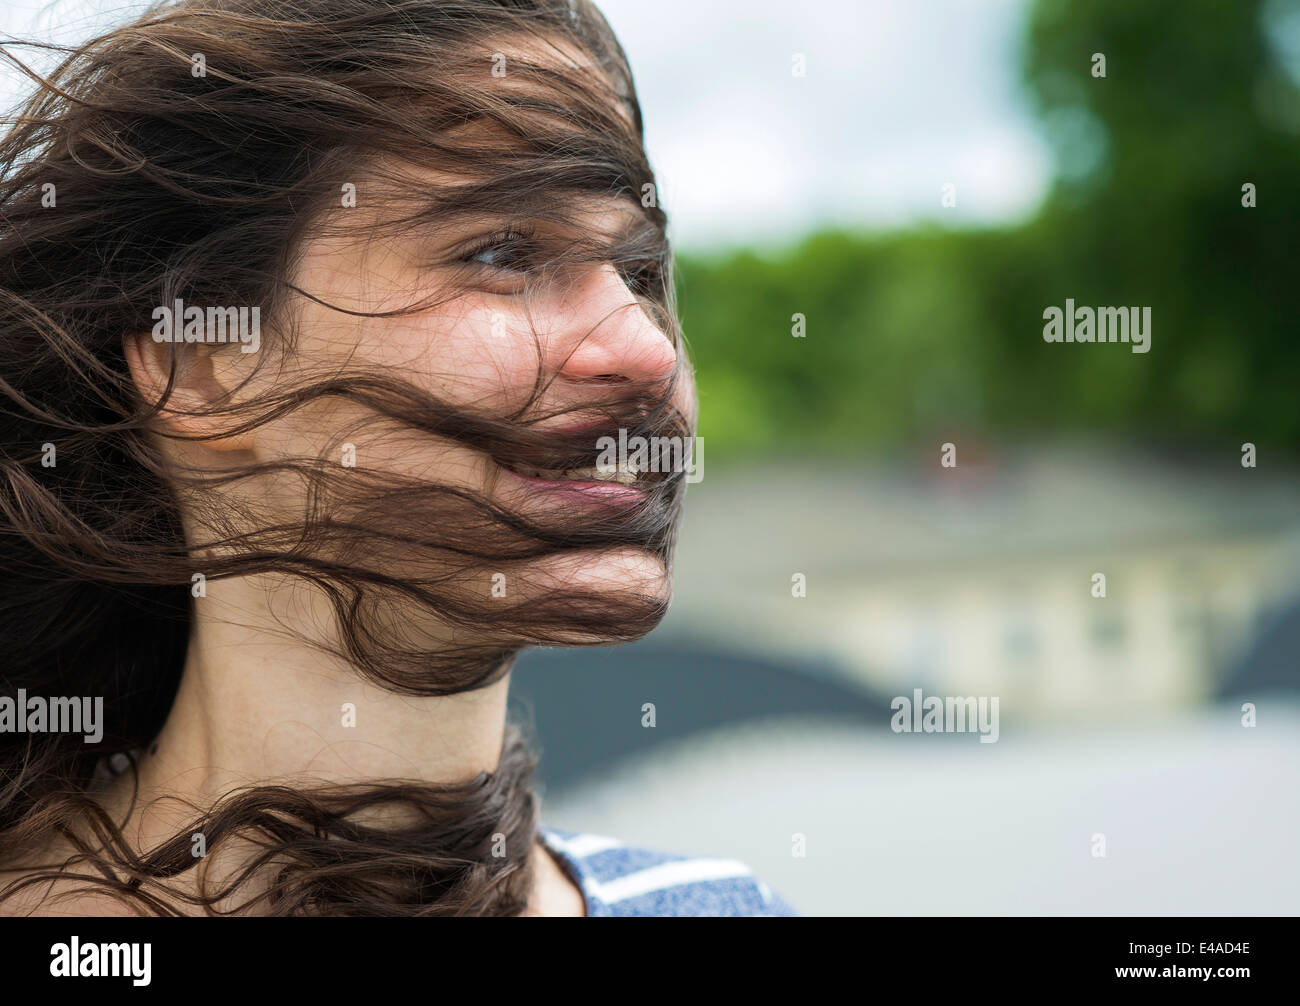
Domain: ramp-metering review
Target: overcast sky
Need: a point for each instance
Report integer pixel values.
(900, 97)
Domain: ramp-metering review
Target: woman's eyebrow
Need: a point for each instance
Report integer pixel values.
(610, 220)
(447, 232)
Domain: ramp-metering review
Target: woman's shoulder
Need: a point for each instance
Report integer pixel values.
(621, 879)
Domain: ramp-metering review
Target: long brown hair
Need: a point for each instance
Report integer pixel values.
(190, 155)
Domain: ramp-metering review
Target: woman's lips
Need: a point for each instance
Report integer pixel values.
(572, 490)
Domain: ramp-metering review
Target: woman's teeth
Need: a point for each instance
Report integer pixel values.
(623, 475)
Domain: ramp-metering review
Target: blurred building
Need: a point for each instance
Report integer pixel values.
(979, 580)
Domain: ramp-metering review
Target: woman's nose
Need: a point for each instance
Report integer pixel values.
(610, 335)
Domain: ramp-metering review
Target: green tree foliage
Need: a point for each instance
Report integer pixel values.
(936, 332)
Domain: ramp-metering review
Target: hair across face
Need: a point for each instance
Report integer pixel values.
(348, 295)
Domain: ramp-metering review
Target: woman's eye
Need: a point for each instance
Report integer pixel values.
(494, 256)
(506, 253)
(642, 277)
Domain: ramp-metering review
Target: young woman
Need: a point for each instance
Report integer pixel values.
(313, 317)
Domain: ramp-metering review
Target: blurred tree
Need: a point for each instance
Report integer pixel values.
(928, 331)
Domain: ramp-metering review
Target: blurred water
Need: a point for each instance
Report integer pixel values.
(587, 706)
(1199, 814)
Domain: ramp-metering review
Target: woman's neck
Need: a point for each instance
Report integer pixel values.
(260, 704)
(257, 708)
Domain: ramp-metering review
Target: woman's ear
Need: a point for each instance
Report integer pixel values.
(195, 387)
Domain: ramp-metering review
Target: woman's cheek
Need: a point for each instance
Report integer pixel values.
(471, 351)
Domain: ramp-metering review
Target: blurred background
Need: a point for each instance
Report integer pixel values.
(824, 195)
(938, 175)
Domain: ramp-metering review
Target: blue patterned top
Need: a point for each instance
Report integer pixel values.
(618, 880)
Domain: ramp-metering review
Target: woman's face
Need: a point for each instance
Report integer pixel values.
(482, 349)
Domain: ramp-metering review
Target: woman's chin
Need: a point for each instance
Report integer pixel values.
(617, 573)
(603, 598)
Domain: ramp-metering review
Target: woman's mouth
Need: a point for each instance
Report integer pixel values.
(598, 484)
(591, 473)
